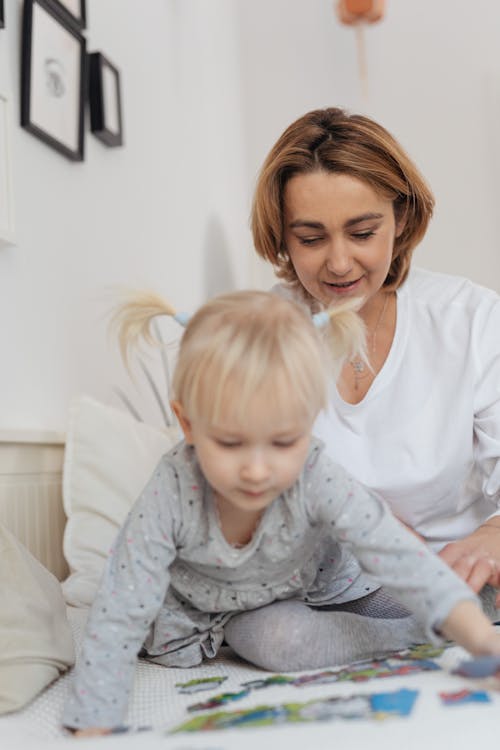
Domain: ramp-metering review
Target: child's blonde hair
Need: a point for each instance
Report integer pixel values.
(245, 342)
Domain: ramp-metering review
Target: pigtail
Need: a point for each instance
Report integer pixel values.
(133, 318)
(344, 331)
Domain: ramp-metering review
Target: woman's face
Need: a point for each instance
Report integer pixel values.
(339, 234)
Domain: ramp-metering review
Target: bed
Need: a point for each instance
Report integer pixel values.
(66, 511)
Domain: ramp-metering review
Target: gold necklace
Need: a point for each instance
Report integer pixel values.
(360, 367)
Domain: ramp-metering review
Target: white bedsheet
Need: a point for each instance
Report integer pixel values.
(158, 703)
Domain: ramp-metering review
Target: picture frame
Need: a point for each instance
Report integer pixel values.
(53, 79)
(2, 15)
(105, 100)
(7, 229)
(73, 11)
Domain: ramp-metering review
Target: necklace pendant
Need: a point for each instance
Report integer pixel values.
(358, 366)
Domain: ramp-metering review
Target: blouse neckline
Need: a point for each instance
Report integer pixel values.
(386, 373)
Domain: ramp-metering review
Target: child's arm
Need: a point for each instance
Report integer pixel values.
(130, 595)
(398, 560)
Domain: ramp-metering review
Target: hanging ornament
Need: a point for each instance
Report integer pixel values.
(352, 12)
(357, 13)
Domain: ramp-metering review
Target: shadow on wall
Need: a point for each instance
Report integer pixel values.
(217, 261)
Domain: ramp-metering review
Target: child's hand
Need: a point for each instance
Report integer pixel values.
(468, 625)
(91, 732)
(492, 644)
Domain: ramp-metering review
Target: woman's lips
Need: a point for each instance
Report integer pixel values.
(343, 287)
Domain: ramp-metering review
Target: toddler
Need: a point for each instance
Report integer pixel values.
(248, 509)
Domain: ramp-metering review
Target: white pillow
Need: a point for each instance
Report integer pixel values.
(109, 458)
(35, 637)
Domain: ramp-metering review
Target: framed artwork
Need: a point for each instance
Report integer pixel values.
(73, 11)
(105, 100)
(6, 194)
(2, 15)
(53, 79)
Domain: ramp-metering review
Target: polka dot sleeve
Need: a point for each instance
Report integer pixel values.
(131, 592)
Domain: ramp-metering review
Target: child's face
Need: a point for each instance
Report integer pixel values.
(250, 462)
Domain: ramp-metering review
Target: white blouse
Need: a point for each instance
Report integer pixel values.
(427, 434)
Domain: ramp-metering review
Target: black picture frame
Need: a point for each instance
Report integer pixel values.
(53, 79)
(72, 11)
(2, 15)
(105, 100)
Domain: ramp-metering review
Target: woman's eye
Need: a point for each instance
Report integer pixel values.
(363, 235)
(227, 444)
(284, 443)
(309, 240)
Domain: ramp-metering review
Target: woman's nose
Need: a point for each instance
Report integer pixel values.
(338, 259)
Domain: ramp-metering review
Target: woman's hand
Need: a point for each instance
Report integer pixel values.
(476, 558)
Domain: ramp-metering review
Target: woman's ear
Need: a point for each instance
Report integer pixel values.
(184, 422)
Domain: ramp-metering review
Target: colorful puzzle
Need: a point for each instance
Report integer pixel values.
(402, 663)
(374, 706)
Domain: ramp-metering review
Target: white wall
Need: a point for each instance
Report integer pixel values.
(166, 211)
(208, 85)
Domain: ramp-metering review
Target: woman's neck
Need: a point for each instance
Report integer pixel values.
(379, 316)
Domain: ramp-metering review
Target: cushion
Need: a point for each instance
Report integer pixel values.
(109, 458)
(36, 644)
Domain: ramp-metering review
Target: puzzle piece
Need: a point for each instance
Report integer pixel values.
(420, 651)
(199, 684)
(464, 696)
(218, 700)
(275, 679)
(481, 666)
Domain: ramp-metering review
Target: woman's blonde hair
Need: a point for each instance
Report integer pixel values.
(245, 342)
(331, 140)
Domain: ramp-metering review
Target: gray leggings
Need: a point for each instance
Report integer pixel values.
(289, 636)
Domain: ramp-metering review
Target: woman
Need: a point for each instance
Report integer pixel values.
(338, 210)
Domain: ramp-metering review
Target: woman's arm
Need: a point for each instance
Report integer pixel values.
(476, 557)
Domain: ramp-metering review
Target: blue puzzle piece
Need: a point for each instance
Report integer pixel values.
(464, 696)
(400, 702)
(481, 666)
